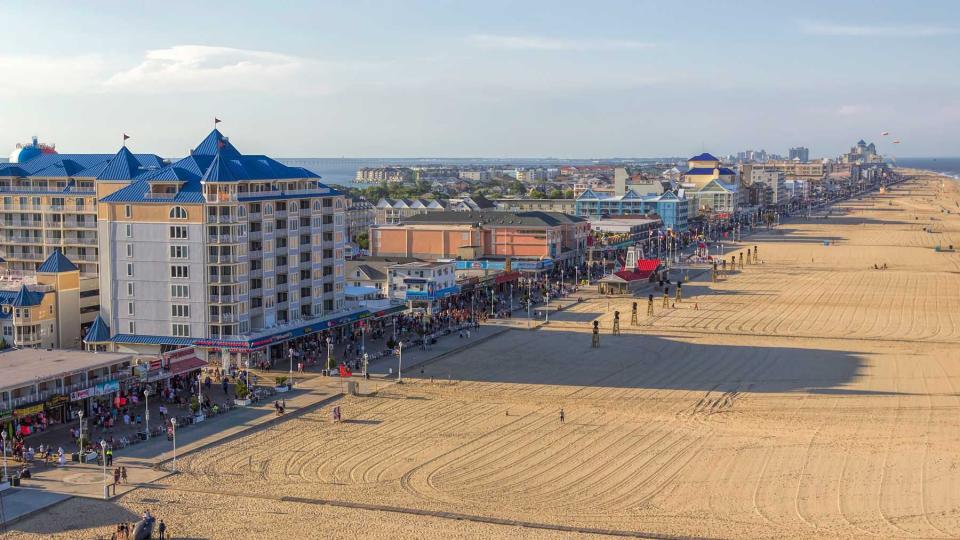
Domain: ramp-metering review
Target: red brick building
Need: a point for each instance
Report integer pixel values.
(484, 234)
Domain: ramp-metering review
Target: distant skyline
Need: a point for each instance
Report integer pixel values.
(492, 79)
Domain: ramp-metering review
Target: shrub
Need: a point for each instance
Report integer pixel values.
(241, 390)
(281, 381)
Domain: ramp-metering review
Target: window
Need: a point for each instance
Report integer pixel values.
(179, 271)
(180, 291)
(129, 308)
(132, 328)
(129, 269)
(130, 290)
(178, 252)
(128, 211)
(178, 212)
(179, 310)
(129, 251)
(178, 232)
(180, 330)
(129, 228)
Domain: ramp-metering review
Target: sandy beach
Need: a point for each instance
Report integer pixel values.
(808, 396)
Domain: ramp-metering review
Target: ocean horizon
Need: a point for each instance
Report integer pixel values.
(342, 171)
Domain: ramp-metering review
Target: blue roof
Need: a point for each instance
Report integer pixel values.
(707, 170)
(22, 298)
(189, 193)
(152, 340)
(213, 143)
(57, 262)
(706, 156)
(98, 332)
(123, 166)
(72, 165)
(213, 160)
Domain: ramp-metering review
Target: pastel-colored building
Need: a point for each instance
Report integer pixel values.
(477, 235)
(220, 250)
(703, 169)
(672, 208)
(43, 309)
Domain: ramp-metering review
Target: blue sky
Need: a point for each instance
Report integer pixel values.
(492, 78)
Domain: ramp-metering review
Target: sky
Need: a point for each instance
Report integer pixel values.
(483, 79)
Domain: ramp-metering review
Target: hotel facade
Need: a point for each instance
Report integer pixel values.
(227, 252)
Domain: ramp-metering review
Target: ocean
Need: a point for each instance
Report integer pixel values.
(949, 166)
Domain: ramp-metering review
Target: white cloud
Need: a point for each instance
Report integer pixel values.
(853, 110)
(200, 68)
(531, 43)
(902, 30)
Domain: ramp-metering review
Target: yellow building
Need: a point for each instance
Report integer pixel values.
(42, 309)
(705, 168)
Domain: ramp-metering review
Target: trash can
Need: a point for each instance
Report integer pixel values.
(352, 388)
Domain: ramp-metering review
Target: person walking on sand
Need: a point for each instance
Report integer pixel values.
(562, 416)
(162, 529)
(123, 474)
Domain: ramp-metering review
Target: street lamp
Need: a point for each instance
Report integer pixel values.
(290, 355)
(366, 365)
(146, 394)
(6, 475)
(173, 426)
(103, 458)
(80, 443)
(400, 364)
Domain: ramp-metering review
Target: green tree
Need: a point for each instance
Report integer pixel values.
(363, 240)
(555, 194)
(536, 194)
(568, 194)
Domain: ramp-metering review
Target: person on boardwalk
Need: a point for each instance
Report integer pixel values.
(123, 474)
(562, 416)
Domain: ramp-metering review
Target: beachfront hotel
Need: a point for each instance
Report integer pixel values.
(48, 202)
(231, 253)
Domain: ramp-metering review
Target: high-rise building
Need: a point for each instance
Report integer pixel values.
(48, 202)
(800, 152)
(220, 250)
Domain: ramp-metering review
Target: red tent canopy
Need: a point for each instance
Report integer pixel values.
(645, 268)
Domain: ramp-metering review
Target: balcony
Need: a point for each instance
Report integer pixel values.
(71, 224)
(226, 318)
(223, 259)
(225, 238)
(24, 240)
(222, 219)
(76, 241)
(224, 299)
(223, 279)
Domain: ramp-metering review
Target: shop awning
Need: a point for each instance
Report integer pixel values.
(186, 365)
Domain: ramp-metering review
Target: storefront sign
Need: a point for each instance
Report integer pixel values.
(544, 264)
(27, 411)
(98, 390)
(56, 401)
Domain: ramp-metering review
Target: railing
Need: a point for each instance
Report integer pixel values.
(222, 219)
(25, 239)
(79, 224)
(228, 318)
(70, 240)
(223, 299)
